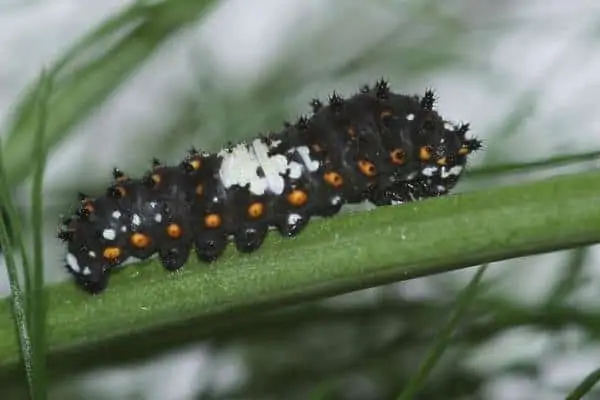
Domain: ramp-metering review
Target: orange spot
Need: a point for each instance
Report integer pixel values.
(463, 151)
(367, 168)
(212, 221)
(297, 197)
(442, 161)
(139, 240)
(425, 153)
(155, 178)
(397, 156)
(334, 179)
(256, 209)
(200, 190)
(111, 253)
(195, 163)
(174, 231)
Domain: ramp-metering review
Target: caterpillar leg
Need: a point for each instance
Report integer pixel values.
(292, 224)
(209, 246)
(250, 238)
(173, 258)
(93, 286)
(92, 278)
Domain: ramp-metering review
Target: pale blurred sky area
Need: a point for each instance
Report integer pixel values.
(548, 49)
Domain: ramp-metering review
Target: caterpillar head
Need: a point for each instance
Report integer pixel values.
(444, 155)
(93, 243)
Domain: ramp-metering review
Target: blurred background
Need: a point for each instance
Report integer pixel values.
(524, 74)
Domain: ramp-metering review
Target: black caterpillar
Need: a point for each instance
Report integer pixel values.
(378, 146)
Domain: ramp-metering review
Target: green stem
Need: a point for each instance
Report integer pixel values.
(150, 308)
(585, 386)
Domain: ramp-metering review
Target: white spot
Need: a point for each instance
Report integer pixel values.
(109, 234)
(116, 214)
(273, 166)
(396, 202)
(295, 170)
(215, 199)
(86, 271)
(72, 263)
(311, 165)
(429, 171)
(92, 254)
(335, 200)
(239, 167)
(454, 171)
(136, 220)
(123, 228)
(448, 126)
(410, 117)
(153, 204)
(274, 144)
(158, 218)
(441, 188)
(293, 219)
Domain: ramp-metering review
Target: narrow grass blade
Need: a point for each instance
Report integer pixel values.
(585, 386)
(465, 298)
(37, 311)
(15, 234)
(571, 278)
(16, 300)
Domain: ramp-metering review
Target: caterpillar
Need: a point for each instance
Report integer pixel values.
(375, 146)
